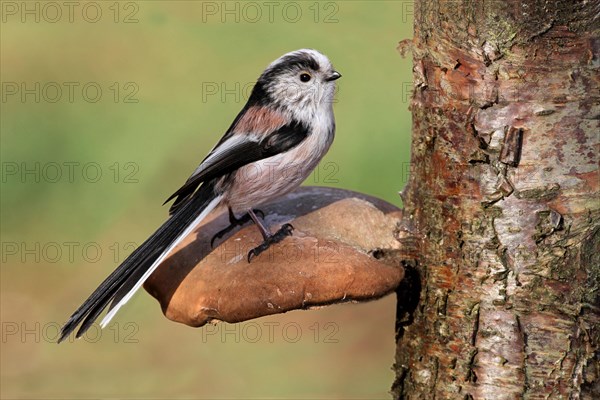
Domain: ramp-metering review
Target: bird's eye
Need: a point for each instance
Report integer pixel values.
(305, 77)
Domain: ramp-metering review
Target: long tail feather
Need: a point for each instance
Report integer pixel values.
(142, 262)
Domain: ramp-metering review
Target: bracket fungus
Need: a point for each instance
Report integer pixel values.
(327, 260)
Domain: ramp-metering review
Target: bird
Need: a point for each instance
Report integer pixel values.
(273, 144)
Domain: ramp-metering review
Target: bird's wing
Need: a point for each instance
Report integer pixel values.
(253, 138)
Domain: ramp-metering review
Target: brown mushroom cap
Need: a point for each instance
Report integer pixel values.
(325, 261)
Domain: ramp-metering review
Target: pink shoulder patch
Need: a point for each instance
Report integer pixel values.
(259, 120)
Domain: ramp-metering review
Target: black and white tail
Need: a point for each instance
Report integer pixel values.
(123, 282)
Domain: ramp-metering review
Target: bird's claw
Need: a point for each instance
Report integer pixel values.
(286, 230)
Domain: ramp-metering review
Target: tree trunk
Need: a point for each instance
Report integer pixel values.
(504, 195)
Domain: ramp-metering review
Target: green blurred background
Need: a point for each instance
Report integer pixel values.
(84, 174)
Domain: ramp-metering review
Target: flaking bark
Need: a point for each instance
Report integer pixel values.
(504, 192)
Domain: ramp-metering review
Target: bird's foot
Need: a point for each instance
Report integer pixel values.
(286, 230)
(233, 223)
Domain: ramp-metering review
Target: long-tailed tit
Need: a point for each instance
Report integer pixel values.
(273, 144)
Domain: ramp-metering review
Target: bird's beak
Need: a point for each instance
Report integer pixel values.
(334, 76)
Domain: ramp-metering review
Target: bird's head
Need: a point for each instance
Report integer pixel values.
(301, 82)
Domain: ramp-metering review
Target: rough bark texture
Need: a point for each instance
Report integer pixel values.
(504, 192)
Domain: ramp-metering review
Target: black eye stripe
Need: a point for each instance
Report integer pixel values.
(302, 61)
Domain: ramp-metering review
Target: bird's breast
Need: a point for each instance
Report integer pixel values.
(262, 181)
